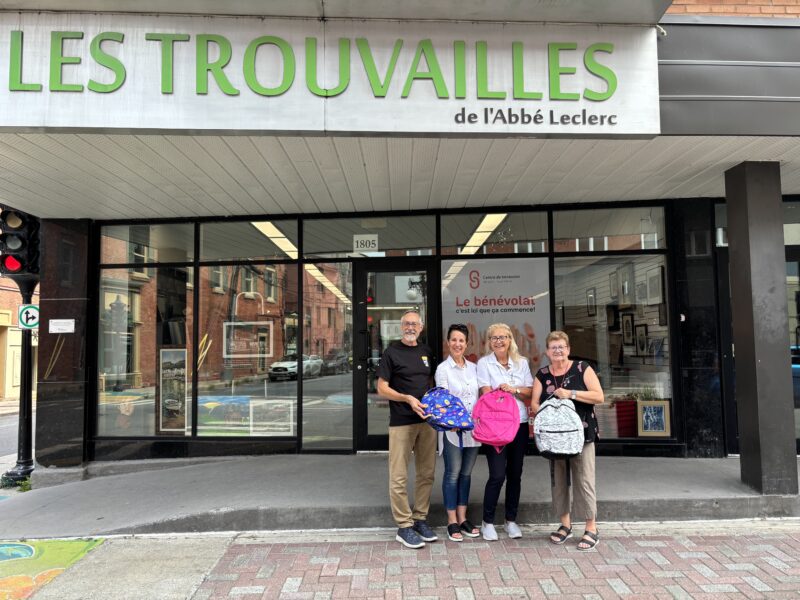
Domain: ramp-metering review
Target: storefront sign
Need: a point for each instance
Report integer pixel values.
(302, 75)
(514, 291)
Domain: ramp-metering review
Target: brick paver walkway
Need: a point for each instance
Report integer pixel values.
(675, 565)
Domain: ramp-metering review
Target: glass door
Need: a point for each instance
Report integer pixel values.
(384, 290)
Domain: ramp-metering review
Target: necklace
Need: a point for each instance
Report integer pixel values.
(563, 375)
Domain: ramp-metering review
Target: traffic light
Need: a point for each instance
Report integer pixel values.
(19, 244)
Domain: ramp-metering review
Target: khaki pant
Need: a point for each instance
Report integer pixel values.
(582, 473)
(403, 440)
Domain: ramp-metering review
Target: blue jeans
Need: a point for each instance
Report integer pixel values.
(458, 463)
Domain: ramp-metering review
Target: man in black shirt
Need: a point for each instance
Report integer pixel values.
(404, 375)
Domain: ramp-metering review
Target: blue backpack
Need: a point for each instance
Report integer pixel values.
(447, 412)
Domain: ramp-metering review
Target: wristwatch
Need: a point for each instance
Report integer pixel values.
(516, 391)
(574, 395)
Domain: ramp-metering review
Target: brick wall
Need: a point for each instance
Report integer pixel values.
(737, 8)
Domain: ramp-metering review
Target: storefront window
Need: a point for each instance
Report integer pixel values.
(369, 236)
(327, 373)
(609, 229)
(247, 355)
(615, 313)
(248, 240)
(142, 244)
(145, 353)
(494, 233)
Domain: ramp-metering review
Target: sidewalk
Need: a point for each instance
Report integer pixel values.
(345, 491)
(9, 407)
(699, 560)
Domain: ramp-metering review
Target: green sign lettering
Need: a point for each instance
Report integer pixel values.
(311, 68)
(602, 71)
(57, 60)
(460, 64)
(167, 52)
(250, 65)
(434, 72)
(379, 88)
(556, 70)
(15, 67)
(204, 67)
(519, 75)
(108, 61)
(482, 74)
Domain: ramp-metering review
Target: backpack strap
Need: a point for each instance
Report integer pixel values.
(553, 472)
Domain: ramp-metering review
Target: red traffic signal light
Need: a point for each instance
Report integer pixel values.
(19, 244)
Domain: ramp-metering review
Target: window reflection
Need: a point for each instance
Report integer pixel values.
(145, 353)
(609, 229)
(328, 356)
(494, 233)
(615, 313)
(247, 351)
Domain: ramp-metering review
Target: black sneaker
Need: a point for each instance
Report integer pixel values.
(425, 532)
(409, 538)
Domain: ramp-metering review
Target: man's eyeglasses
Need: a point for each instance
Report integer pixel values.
(410, 323)
(498, 338)
(558, 348)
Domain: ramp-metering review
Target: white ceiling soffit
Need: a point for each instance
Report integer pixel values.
(101, 176)
(563, 11)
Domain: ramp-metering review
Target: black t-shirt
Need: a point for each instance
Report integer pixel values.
(408, 370)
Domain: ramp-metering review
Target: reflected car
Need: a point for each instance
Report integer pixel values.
(286, 367)
(334, 363)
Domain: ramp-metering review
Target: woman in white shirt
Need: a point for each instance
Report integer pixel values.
(459, 377)
(503, 368)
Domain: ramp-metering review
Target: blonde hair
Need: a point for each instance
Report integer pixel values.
(513, 350)
(554, 336)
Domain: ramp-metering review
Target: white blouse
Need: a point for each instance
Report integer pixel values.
(492, 374)
(461, 382)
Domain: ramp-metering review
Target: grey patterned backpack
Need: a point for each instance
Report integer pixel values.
(558, 430)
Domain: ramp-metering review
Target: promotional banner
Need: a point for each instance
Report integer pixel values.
(514, 291)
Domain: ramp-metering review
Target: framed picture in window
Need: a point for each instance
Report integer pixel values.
(591, 302)
(655, 285)
(172, 391)
(627, 293)
(641, 339)
(652, 417)
(627, 329)
(613, 285)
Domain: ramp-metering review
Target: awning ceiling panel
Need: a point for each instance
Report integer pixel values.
(119, 176)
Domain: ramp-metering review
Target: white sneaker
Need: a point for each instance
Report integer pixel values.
(489, 532)
(513, 530)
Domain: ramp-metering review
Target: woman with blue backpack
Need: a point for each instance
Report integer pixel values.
(459, 377)
(505, 370)
(576, 381)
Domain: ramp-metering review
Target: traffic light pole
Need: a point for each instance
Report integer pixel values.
(24, 466)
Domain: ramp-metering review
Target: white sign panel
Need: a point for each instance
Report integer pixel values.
(28, 316)
(514, 291)
(307, 75)
(61, 326)
(391, 330)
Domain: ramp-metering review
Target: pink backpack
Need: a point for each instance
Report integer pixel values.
(496, 418)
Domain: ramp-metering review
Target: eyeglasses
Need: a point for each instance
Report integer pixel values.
(410, 323)
(558, 348)
(498, 338)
